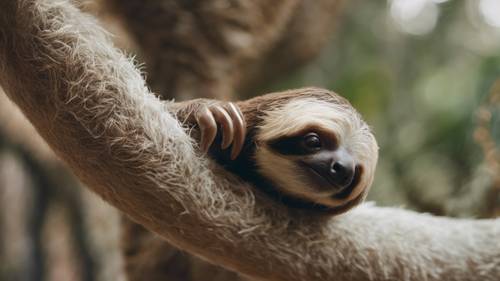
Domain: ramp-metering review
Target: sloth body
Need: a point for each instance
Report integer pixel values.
(307, 148)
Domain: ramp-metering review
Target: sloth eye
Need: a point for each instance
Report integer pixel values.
(312, 141)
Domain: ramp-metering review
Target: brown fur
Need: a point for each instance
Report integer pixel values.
(246, 41)
(181, 52)
(265, 116)
(90, 104)
(292, 36)
(14, 124)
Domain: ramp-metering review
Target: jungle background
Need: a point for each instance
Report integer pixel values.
(424, 74)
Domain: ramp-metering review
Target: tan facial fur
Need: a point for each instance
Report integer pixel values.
(339, 118)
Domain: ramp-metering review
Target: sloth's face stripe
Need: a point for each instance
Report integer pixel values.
(330, 168)
(307, 146)
(297, 144)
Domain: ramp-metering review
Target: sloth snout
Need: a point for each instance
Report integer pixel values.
(337, 168)
(342, 173)
(342, 168)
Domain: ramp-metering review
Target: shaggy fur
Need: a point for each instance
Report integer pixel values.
(247, 42)
(273, 116)
(90, 104)
(14, 124)
(179, 48)
(329, 112)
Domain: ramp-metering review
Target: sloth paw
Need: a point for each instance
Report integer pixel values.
(228, 116)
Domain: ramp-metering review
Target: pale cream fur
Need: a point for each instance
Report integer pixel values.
(90, 104)
(339, 118)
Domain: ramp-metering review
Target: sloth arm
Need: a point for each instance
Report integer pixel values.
(91, 105)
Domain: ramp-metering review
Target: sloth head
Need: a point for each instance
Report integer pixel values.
(316, 147)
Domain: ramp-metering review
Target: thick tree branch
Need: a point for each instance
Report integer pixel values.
(90, 104)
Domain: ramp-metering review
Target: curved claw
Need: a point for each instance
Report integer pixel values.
(239, 129)
(208, 127)
(232, 122)
(222, 117)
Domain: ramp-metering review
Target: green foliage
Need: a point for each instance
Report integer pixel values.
(420, 93)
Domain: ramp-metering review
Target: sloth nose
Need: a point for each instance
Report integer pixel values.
(342, 170)
(342, 173)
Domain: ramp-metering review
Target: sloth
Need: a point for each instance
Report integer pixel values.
(306, 148)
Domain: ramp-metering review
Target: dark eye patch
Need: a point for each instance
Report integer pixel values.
(289, 146)
(294, 145)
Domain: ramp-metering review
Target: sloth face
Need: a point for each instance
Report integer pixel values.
(329, 168)
(321, 151)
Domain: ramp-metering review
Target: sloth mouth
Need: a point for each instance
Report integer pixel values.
(325, 182)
